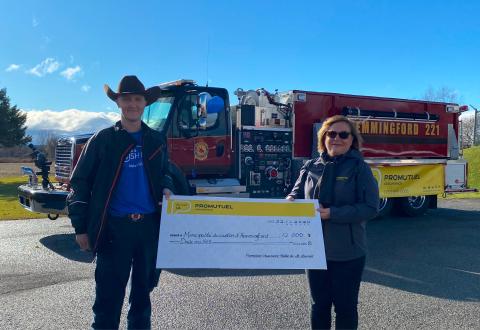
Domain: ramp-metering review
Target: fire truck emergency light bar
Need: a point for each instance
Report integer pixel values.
(179, 82)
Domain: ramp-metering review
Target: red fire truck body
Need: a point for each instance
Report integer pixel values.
(256, 148)
(391, 128)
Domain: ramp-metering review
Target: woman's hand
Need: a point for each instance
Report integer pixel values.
(324, 212)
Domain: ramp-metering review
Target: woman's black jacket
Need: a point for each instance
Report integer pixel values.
(346, 185)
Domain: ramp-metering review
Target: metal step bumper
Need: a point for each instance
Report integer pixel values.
(37, 199)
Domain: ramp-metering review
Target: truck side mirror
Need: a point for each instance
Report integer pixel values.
(208, 104)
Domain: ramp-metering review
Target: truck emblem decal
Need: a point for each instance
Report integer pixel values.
(200, 150)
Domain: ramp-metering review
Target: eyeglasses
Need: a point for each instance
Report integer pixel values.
(343, 135)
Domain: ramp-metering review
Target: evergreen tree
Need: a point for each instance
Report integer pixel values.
(12, 123)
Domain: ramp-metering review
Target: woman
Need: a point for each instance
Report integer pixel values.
(348, 197)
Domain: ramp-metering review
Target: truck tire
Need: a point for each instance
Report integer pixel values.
(385, 207)
(414, 206)
(52, 216)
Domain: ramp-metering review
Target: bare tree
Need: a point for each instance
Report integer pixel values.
(467, 120)
(467, 124)
(442, 94)
(476, 127)
(51, 146)
(48, 141)
(15, 154)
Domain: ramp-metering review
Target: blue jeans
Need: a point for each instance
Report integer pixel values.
(128, 245)
(338, 286)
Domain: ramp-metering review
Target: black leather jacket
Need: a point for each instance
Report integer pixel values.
(96, 174)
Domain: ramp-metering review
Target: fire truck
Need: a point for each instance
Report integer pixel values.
(256, 148)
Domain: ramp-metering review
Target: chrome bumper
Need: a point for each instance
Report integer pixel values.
(36, 199)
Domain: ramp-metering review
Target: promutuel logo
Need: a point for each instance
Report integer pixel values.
(179, 207)
(401, 177)
(207, 206)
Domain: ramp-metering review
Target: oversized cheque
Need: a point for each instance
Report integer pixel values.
(239, 233)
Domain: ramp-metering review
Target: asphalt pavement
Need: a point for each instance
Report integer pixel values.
(421, 273)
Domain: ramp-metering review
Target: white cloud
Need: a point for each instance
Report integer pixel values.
(67, 122)
(47, 66)
(69, 73)
(86, 88)
(71, 120)
(12, 67)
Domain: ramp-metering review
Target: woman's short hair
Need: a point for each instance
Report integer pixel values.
(357, 138)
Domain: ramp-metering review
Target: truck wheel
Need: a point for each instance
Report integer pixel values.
(385, 207)
(52, 217)
(413, 206)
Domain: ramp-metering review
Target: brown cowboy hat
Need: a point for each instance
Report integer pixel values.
(130, 85)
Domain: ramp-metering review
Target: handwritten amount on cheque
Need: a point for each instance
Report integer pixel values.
(294, 238)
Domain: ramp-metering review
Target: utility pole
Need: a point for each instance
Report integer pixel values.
(474, 125)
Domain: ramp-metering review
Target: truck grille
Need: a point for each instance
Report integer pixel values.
(63, 158)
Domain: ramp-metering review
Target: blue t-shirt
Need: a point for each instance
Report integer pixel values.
(132, 193)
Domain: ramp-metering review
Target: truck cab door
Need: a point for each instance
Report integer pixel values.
(201, 140)
(183, 130)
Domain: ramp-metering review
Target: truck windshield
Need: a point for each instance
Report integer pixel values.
(156, 114)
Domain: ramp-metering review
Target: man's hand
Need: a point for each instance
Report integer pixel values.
(324, 212)
(82, 241)
(167, 193)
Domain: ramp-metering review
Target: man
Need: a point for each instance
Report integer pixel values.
(117, 189)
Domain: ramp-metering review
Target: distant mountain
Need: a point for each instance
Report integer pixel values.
(42, 124)
(39, 136)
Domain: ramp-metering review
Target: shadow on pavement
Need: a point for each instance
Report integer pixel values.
(65, 245)
(434, 255)
(234, 272)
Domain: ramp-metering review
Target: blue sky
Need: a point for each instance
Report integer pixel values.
(57, 55)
